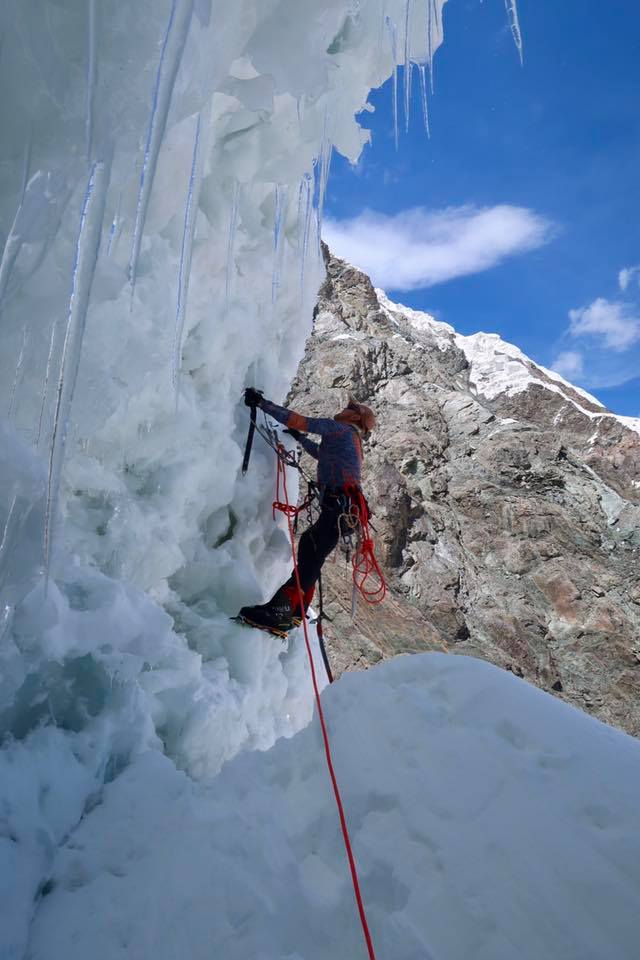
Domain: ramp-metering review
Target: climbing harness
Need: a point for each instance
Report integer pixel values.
(290, 512)
(353, 524)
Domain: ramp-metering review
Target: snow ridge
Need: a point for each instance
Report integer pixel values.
(499, 368)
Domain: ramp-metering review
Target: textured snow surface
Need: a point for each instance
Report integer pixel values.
(489, 820)
(498, 368)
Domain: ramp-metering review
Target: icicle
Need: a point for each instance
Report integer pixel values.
(407, 64)
(86, 255)
(322, 171)
(394, 56)
(91, 76)
(422, 70)
(10, 253)
(18, 371)
(6, 539)
(170, 58)
(188, 232)
(306, 197)
(280, 214)
(13, 243)
(47, 377)
(514, 23)
(26, 166)
(233, 224)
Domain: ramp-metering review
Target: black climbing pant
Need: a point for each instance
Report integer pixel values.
(318, 540)
(316, 543)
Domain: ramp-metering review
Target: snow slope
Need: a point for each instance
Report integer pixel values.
(488, 819)
(497, 367)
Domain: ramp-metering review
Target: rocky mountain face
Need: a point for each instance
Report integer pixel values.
(506, 503)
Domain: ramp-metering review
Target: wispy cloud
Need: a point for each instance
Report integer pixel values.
(569, 364)
(626, 275)
(419, 248)
(617, 324)
(601, 345)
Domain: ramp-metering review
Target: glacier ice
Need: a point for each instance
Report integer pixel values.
(152, 250)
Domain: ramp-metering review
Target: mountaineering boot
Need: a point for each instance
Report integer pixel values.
(281, 613)
(290, 591)
(275, 616)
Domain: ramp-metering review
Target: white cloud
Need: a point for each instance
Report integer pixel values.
(617, 323)
(569, 363)
(626, 275)
(419, 248)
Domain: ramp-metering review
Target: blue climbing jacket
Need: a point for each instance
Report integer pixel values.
(339, 453)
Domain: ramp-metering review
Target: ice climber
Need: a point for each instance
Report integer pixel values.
(339, 456)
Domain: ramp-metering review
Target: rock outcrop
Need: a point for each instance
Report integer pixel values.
(506, 503)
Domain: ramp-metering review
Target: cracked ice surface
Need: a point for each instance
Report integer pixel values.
(140, 291)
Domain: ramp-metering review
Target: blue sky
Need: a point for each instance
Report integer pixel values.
(519, 213)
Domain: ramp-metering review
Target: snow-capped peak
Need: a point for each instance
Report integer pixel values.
(499, 368)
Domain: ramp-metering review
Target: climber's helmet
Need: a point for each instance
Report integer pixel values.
(358, 415)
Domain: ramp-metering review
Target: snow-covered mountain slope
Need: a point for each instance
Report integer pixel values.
(506, 502)
(500, 369)
(488, 820)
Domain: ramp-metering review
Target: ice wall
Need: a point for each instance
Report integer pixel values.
(161, 190)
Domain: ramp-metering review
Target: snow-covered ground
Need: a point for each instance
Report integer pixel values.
(489, 820)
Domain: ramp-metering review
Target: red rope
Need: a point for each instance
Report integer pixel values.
(290, 511)
(364, 559)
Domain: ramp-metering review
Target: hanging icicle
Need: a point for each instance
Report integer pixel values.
(233, 225)
(188, 232)
(19, 366)
(86, 255)
(322, 174)
(304, 224)
(281, 202)
(422, 72)
(514, 23)
(170, 58)
(407, 64)
(391, 27)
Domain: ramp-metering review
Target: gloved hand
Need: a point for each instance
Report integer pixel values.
(252, 398)
(293, 433)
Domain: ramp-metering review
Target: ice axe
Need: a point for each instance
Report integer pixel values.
(252, 399)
